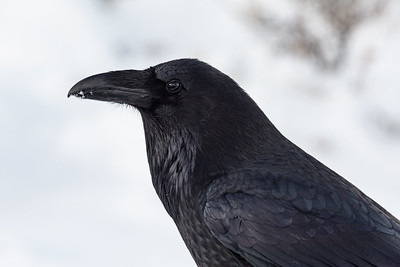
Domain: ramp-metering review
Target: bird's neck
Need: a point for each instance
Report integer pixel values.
(171, 156)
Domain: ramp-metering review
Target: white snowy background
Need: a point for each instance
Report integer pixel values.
(75, 189)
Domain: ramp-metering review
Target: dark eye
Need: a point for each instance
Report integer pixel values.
(173, 86)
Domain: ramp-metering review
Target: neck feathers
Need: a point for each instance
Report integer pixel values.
(171, 156)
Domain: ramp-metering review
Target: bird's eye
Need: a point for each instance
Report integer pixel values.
(173, 86)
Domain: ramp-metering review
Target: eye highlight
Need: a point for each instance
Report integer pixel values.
(173, 86)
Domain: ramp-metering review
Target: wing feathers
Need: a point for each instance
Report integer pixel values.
(292, 224)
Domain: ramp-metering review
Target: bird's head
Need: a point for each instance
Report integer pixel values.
(224, 124)
(178, 93)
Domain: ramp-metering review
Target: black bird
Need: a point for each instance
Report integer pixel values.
(240, 193)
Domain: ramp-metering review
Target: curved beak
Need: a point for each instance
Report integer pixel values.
(123, 87)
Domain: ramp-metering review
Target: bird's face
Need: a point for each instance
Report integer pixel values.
(178, 93)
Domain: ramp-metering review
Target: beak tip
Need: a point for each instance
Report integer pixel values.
(70, 94)
(76, 90)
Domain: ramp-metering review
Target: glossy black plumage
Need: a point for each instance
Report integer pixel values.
(240, 193)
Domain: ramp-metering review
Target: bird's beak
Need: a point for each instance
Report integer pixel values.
(124, 87)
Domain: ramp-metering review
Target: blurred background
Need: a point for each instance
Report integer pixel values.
(75, 189)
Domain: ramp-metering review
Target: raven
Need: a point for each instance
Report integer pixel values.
(240, 193)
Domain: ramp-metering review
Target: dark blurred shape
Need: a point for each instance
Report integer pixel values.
(302, 37)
